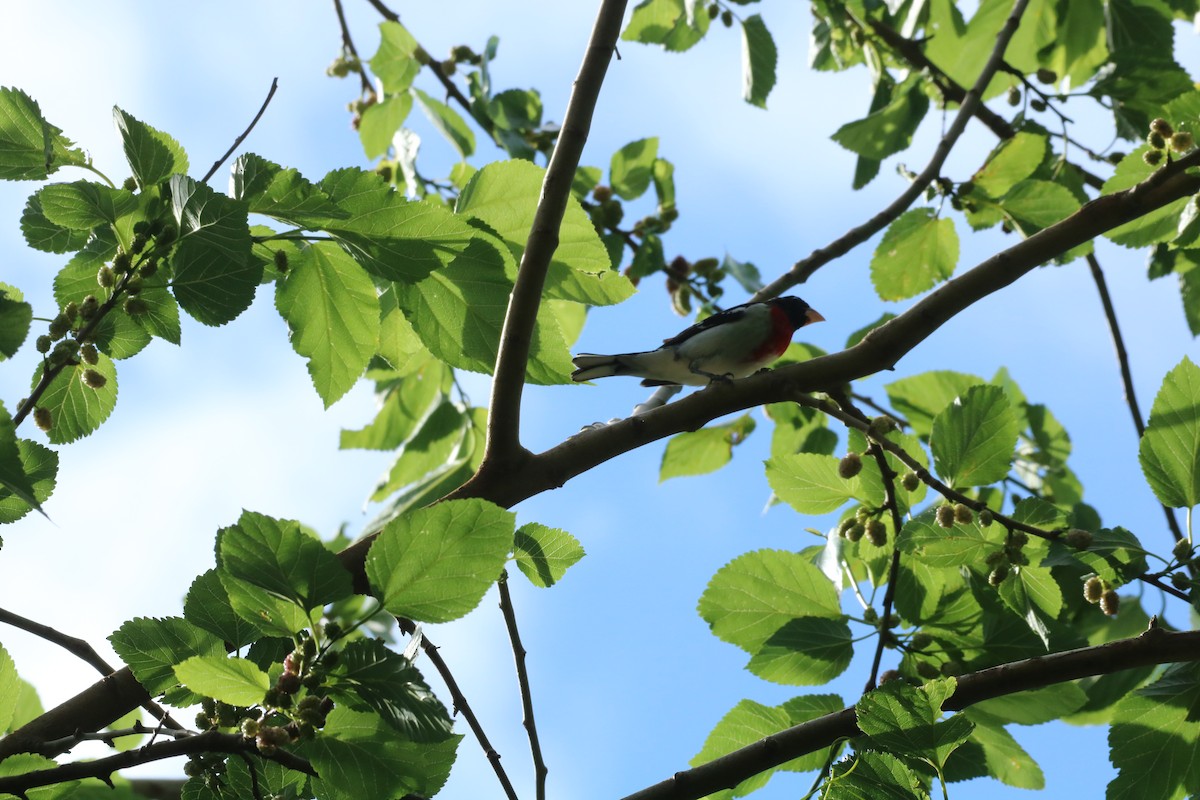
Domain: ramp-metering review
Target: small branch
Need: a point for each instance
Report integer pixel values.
(535, 747)
(802, 270)
(81, 650)
(503, 440)
(1153, 647)
(348, 47)
(462, 706)
(1110, 314)
(102, 768)
(237, 142)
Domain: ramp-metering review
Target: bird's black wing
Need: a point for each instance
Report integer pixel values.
(720, 318)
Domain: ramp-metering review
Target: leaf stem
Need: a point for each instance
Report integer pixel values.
(236, 142)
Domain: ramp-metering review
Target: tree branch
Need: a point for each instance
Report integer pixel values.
(514, 636)
(102, 768)
(1110, 314)
(802, 270)
(1155, 646)
(83, 651)
(236, 142)
(503, 440)
(348, 47)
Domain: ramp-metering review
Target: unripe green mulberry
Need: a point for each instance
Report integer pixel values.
(1182, 141)
(42, 418)
(920, 641)
(1180, 581)
(1018, 539)
(43, 344)
(986, 518)
(1093, 589)
(71, 310)
(106, 277)
(281, 260)
(93, 379)
(856, 531)
(59, 326)
(130, 184)
(962, 514)
(138, 244)
(850, 465)
(714, 11)
(844, 526)
(1161, 126)
(889, 675)
(998, 574)
(876, 532)
(602, 193)
(945, 516)
(1152, 157)
(250, 728)
(911, 481)
(1156, 140)
(89, 354)
(148, 268)
(1182, 550)
(134, 306)
(1047, 75)
(1014, 96)
(882, 425)
(1078, 538)
(727, 18)
(1110, 603)
(927, 670)
(89, 306)
(122, 262)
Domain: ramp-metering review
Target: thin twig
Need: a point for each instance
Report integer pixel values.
(535, 746)
(1110, 314)
(348, 47)
(803, 269)
(462, 706)
(237, 142)
(83, 651)
(1155, 646)
(504, 419)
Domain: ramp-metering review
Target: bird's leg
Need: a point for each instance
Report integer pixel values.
(712, 376)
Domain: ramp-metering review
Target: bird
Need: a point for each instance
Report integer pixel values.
(730, 344)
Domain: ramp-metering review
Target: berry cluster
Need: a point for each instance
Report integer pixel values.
(1164, 139)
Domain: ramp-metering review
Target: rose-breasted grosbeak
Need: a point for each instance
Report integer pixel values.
(734, 343)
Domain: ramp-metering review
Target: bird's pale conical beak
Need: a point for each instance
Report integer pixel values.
(812, 316)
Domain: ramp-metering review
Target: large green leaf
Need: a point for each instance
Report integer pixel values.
(83, 205)
(632, 168)
(806, 651)
(152, 647)
(153, 155)
(281, 193)
(40, 465)
(973, 438)
(214, 277)
(1011, 162)
(545, 554)
(435, 564)
(809, 482)
(10, 684)
(330, 305)
(76, 409)
(918, 251)
(277, 556)
(1154, 738)
(904, 720)
(759, 57)
(15, 482)
(758, 593)
(431, 450)
(993, 752)
(207, 605)
(666, 22)
(1170, 450)
(370, 677)
(42, 234)
(406, 403)
(395, 62)
(30, 147)
(890, 129)
(920, 398)
(449, 122)
(872, 775)
(228, 680)
(938, 547)
(381, 121)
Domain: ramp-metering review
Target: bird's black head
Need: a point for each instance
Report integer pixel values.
(799, 313)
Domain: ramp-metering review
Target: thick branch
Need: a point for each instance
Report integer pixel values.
(503, 441)
(803, 269)
(1155, 646)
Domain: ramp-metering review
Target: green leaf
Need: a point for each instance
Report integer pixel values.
(1115, 555)
(904, 719)
(516, 109)
(26, 138)
(1036, 204)
(665, 22)
(871, 775)
(1154, 736)
(281, 193)
(435, 564)
(917, 252)
(632, 168)
(358, 756)
(83, 205)
(920, 398)
(227, 680)
(207, 605)
(759, 58)
(449, 122)
(370, 677)
(152, 647)
(545, 554)
(406, 403)
(993, 752)
(214, 276)
(39, 465)
(756, 594)
(939, 547)
(1011, 162)
(703, 451)
(22, 763)
(153, 155)
(889, 130)
(809, 482)
(1170, 450)
(806, 651)
(1034, 706)
(10, 683)
(745, 724)
(504, 195)
(77, 409)
(42, 234)
(332, 312)
(276, 555)
(1160, 225)
(395, 62)
(973, 438)
(431, 450)
(380, 122)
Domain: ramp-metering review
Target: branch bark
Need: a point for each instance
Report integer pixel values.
(1155, 646)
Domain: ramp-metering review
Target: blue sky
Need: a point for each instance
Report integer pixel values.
(627, 680)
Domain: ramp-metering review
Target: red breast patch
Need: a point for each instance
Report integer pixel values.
(778, 339)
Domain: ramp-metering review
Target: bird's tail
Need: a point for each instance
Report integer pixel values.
(589, 366)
